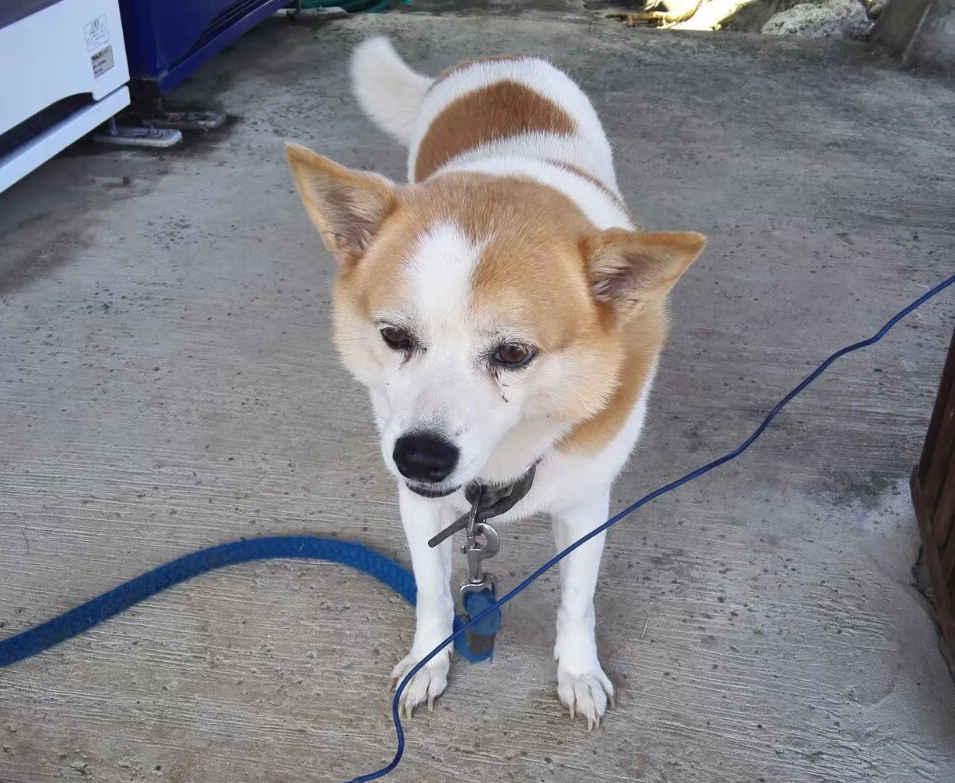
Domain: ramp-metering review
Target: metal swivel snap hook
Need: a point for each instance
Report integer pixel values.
(478, 592)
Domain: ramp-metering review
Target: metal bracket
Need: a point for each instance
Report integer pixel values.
(138, 136)
(177, 120)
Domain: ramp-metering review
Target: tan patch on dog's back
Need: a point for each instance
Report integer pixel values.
(497, 111)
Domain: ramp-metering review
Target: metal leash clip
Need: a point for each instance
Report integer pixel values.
(486, 502)
(479, 591)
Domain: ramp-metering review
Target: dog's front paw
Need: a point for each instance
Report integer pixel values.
(427, 684)
(582, 686)
(586, 694)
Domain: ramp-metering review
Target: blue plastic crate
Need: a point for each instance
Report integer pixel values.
(166, 40)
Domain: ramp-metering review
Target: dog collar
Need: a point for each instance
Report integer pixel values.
(487, 501)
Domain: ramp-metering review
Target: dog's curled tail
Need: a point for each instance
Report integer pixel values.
(389, 92)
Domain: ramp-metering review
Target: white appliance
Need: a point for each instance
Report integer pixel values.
(63, 72)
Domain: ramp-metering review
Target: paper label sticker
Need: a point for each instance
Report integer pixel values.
(96, 33)
(102, 61)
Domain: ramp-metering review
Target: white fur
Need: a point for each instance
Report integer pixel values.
(440, 273)
(387, 89)
(434, 608)
(602, 209)
(444, 386)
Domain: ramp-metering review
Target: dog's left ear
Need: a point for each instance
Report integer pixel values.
(627, 268)
(347, 207)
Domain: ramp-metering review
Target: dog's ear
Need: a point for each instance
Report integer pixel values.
(627, 268)
(347, 207)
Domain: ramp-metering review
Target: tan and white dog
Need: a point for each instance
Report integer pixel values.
(502, 309)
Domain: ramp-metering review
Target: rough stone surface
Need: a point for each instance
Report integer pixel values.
(830, 19)
(935, 44)
(918, 33)
(750, 16)
(740, 16)
(167, 382)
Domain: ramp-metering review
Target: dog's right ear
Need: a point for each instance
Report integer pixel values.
(347, 207)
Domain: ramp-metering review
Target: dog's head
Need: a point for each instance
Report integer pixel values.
(486, 315)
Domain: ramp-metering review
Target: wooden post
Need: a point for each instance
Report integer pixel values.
(933, 495)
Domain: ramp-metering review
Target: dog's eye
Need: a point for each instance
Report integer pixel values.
(513, 355)
(396, 339)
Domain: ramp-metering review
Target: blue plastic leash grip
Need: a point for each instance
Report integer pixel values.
(82, 618)
(475, 605)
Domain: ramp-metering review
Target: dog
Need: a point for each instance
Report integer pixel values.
(503, 310)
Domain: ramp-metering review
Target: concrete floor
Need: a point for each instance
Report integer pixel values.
(167, 382)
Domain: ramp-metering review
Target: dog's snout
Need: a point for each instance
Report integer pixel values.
(425, 457)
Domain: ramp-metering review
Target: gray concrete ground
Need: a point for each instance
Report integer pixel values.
(167, 383)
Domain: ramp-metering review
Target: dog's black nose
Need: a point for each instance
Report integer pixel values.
(425, 457)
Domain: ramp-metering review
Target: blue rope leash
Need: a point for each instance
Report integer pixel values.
(85, 616)
(95, 611)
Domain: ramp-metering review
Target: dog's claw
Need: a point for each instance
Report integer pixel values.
(424, 687)
(611, 701)
(587, 695)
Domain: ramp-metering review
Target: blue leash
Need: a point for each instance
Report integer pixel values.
(84, 617)
(399, 730)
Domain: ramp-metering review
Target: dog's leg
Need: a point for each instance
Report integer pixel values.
(422, 518)
(582, 685)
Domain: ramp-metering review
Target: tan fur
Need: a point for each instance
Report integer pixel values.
(346, 206)
(633, 272)
(533, 266)
(627, 268)
(494, 112)
(642, 341)
(531, 262)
